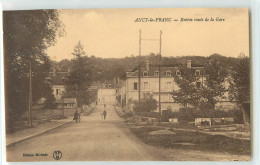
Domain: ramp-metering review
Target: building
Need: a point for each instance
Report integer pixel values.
(56, 79)
(108, 92)
(68, 103)
(149, 82)
(107, 96)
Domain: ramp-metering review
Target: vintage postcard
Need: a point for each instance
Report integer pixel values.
(167, 84)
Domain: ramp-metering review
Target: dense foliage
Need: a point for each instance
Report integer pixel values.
(147, 103)
(27, 35)
(214, 83)
(187, 93)
(240, 83)
(80, 77)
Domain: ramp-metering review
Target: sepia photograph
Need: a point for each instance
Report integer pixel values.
(139, 84)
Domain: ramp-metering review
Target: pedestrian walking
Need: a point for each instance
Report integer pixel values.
(104, 114)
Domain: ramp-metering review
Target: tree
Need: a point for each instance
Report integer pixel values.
(27, 35)
(214, 84)
(187, 93)
(49, 102)
(148, 103)
(239, 89)
(79, 79)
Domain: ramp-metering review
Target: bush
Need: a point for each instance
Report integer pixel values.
(147, 104)
(129, 114)
(149, 114)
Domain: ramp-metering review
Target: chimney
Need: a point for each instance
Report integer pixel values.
(189, 64)
(54, 72)
(147, 65)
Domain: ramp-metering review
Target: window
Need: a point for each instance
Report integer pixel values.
(197, 73)
(178, 73)
(109, 85)
(198, 84)
(57, 91)
(156, 73)
(145, 86)
(135, 86)
(145, 73)
(168, 73)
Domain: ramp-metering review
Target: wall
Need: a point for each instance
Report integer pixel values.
(60, 88)
(106, 96)
(153, 87)
(226, 106)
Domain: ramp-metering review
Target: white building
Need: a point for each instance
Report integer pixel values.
(56, 80)
(149, 82)
(107, 96)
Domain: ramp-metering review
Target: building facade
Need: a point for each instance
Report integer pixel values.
(107, 96)
(150, 78)
(56, 80)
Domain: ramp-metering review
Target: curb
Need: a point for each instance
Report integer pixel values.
(89, 112)
(119, 113)
(34, 135)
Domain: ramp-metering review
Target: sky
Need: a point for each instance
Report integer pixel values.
(114, 33)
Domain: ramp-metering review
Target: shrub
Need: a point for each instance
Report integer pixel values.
(147, 104)
(149, 114)
(128, 114)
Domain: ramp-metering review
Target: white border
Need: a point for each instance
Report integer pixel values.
(254, 8)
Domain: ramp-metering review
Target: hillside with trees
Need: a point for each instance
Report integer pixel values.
(105, 69)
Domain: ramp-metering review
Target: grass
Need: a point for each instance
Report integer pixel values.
(199, 141)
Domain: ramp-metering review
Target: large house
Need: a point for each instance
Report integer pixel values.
(148, 76)
(56, 80)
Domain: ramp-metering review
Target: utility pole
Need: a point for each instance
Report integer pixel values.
(30, 96)
(160, 111)
(160, 42)
(139, 71)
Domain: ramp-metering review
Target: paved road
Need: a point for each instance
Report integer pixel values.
(91, 139)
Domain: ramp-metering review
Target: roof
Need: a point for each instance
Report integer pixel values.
(116, 82)
(57, 78)
(152, 68)
(164, 66)
(66, 100)
(155, 68)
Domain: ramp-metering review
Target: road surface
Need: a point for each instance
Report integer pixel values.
(95, 139)
(91, 139)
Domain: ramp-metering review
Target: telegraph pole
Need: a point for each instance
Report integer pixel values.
(160, 111)
(160, 42)
(30, 96)
(139, 70)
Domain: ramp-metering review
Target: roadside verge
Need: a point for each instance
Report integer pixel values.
(28, 133)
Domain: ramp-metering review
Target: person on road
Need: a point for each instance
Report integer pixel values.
(76, 116)
(104, 114)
